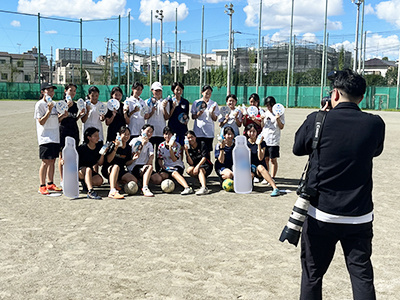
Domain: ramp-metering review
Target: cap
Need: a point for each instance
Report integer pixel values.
(156, 86)
(47, 85)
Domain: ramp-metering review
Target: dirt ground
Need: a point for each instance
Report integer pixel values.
(218, 246)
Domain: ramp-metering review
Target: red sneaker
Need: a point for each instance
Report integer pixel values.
(53, 187)
(43, 190)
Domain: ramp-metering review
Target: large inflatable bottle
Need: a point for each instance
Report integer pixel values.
(242, 182)
(70, 171)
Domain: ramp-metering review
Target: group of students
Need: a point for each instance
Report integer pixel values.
(141, 131)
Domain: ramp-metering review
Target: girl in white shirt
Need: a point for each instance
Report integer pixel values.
(136, 118)
(93, 118)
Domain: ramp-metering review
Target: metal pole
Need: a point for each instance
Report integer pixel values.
(258, 52)
(356, 42)
(292, 66)
(180, 56)
(151, 48)
(361, 41)
(398, 82)
(133, 64)
(111, 61)
(289, 57)
(119, 50)
(39, 63)
(262, 61)
(365, 46)
(176, 45)
(81, 54)
(229, 11)
(205, 62)
(128, 77)
(326, 58)
(161, 63)
(323, 52)
(201, 47)
(156, 62)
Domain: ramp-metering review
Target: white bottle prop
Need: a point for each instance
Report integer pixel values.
(48, 98)
(242, 182)
(172, 140)
(70, 171)
(186, 141)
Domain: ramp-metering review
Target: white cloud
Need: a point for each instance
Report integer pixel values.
(85, 9)
(389, 11)
(167, 7)
(308, 14)
(369, 10)
(15, 23)
(376, 46)
(51, 32)
(146, 43)
(310, 37)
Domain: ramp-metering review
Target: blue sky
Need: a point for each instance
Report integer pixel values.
(19, 32)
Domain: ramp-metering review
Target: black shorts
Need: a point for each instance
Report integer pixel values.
(62, 140)
(106, 172)
(207, 141)
(272, 152)
(49, 151)
(208, 168)
(93, 172)
(139, 170)
(169, 172)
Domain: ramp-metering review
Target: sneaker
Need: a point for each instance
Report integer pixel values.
(53, 187)
(146, 192)
(93, 195)
(202, 191)
(43, 190)
(84, 187)
(256, 180)
(187, 191)
(275, 193)
(115, 195)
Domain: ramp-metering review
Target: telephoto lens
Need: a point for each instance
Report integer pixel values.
(292, 230)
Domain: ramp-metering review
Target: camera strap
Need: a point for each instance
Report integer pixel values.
(319, 122)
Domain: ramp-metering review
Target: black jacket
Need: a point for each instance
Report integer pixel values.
(341, 171)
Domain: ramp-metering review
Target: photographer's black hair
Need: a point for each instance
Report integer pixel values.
(123, 129)
(349, 82)
(167, 130)
(270, 101)
(255, 97)
(135, 85)
(175, 84)
(146, 126)
(205, 88)
(231, 96)
(89, 132)
(227, 129)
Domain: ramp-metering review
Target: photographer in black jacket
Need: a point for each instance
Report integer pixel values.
(341, 173)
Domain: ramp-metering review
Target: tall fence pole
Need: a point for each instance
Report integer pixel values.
(289, 57)
(201, 48)
(119, 50)
(398, 82)
(81, 52)
(258, 52)
(151, 48)
(323, 52)
(39, 60)
(176, 45)
(128, 75)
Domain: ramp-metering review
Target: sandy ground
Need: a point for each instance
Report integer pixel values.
(219, 246)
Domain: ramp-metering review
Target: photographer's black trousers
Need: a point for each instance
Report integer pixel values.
(318, 243)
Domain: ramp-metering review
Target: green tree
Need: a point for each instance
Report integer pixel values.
(375, 80)
(341, 60)
(391, 76)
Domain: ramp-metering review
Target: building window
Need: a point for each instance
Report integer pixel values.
(2, 61)
(28, 78)
(4, 76)
(20, 64)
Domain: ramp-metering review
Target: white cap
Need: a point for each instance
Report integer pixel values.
(156, 86)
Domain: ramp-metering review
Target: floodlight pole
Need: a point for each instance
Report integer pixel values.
(355, 61)
(258, 52)
(289, 57)
(160, 16)
(323, 72)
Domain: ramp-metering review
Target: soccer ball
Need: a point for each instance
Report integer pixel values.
(131, 188)
(227, 185)
(168, 186)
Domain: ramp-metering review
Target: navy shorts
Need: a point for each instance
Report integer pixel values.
(272, 152)
(49, 151)
(172, 170)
